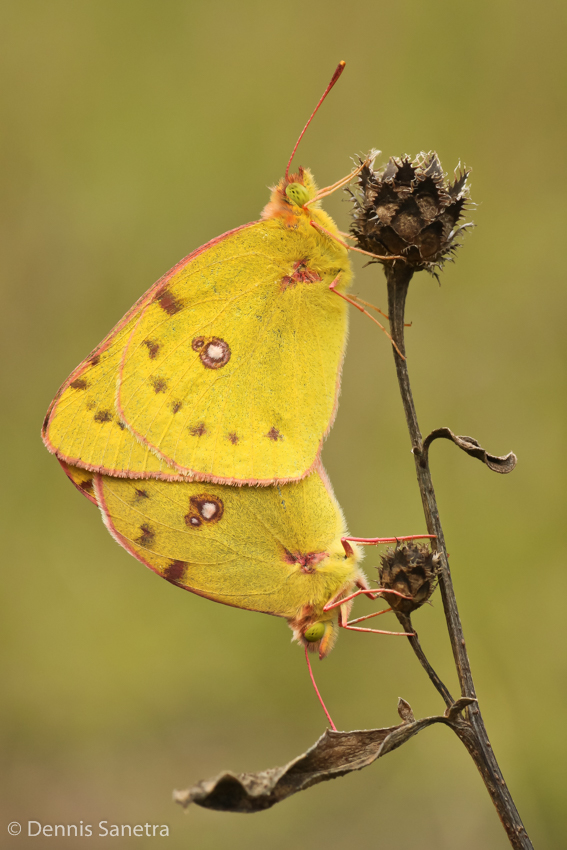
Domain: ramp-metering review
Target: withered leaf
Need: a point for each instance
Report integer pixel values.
(503, 464)
(405, 711)
(335, 754)
(453, 711)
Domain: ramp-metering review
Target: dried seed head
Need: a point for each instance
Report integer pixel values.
(410, 569)
(410, 209)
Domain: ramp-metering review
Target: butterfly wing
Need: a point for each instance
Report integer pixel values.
(83, 480)
(82, 426)
(274, 549)
(231, 372)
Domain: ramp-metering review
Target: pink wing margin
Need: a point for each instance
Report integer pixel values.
(148, 296)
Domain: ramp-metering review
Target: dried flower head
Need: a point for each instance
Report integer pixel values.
(409, 208)
(410, 569)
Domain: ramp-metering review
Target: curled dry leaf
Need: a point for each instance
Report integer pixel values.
(335, 754)
(503, 464)
(453, 711)
(405, 711)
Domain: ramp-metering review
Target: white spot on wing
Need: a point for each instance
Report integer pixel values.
(215, 352)
(208, 510)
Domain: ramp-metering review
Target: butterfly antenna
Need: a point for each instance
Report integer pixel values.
(319, 697)
(339, 69)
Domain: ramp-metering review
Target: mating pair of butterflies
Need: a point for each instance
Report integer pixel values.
(196, 425)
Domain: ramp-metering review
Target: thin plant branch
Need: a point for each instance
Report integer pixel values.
(471, 729)
(406, 623)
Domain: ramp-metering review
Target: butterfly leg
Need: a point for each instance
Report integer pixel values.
(375, 541)
(328, 190)
(368, 616)
(371, 593)
(328, 233)
(333, 288)
(376, 631)
(350, 625)
(319, 697)
(374, 307)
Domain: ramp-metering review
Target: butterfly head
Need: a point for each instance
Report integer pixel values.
(320, 636)
(293, 197)
(331, 579)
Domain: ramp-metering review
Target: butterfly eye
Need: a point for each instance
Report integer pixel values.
(297, 194)
(314, 632)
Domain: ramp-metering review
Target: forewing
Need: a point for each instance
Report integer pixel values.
(231, 372)
(82, 426)
(83, 480)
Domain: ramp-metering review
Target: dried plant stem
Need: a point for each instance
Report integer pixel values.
(471, 730)
(406, 623)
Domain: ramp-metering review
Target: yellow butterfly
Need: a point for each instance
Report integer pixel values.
(228, 368)
(279, 550)
(276, 550)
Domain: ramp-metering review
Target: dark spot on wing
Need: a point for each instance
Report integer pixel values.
(204, 509)
(198, 430)
(307, 562)
(147, 536)
(176, 406)
(103, 416)
(274, 434)
(301, 274)
(175, 570)
(153, 348)
(87, 485)
(190, 519)
(78, 384)
(169, 303)
(141, 494)
(121, 425)
(214, 352)
(95, 360)
(233, 438)
(158, 384)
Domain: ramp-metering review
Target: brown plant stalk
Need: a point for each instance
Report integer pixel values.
(470, 728)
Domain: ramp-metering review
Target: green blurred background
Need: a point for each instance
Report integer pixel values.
(132, 133)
